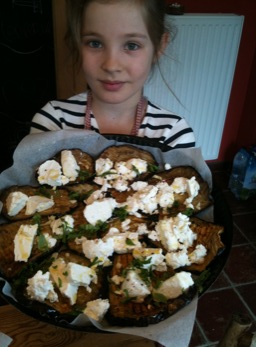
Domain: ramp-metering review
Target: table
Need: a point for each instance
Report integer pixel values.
(29, 332)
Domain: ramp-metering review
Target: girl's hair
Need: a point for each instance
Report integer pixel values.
(153, 12)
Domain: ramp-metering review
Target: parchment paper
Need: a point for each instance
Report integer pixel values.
(36, 148)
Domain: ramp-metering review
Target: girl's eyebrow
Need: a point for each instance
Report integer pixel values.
(127, 36)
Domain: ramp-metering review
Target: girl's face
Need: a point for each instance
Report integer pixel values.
(117, 52)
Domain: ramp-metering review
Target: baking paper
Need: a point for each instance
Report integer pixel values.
(36, 148)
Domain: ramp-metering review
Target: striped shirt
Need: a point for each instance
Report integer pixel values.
(164, 126)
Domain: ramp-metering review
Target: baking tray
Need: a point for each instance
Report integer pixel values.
(222, 216)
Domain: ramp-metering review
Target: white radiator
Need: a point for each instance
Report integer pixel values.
(199, 67)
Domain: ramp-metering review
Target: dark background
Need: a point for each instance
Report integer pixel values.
(27, 69)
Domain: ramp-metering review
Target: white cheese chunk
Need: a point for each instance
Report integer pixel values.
(23, 242)
(103, 165)
(59, 274)
(64, 223)
(151, 257)
(40, 287)
(37, 203)
(50, 173)
(175, 285)
(98, 249)
(134, 287)
(100, 210)
(80, 275)
(198, 254)
(175, 233)
(69, 165)
(15, 202)
(97, 309)
(177, 259)
(123, 242)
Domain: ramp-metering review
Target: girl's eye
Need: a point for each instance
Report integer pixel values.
(94, 44)
(131, 46)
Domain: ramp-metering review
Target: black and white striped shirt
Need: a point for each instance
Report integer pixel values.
(162, 125)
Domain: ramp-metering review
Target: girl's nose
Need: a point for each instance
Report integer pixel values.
(111, 61)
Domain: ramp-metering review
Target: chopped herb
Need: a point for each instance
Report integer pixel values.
(65, 273)
(42, 243)
(159, 298)
(152, 168)
(121, 213)
(59, 282)
(43, 191)
(188, 212)
(83, 175)
(129, 242)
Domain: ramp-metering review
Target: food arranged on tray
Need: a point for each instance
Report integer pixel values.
(111, 236)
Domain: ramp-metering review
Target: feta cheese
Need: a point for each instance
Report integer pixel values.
(151, 257)
(37, 203)
(100, 210)
(80, 275)
(103, 165)
(175, 233)
(123, 242)
(50, 173)
(177, 259)
(23, 242)
(64, 223)
(69, 165)
(40, 287)
(51, 241)
(97, 309)
(98, 249)
(197, 256)
(58, 273)
(134, 287)
(175, 285)
(15, 202)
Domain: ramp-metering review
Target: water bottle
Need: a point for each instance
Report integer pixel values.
(238, 172)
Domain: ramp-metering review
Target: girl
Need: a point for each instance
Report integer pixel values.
(118, 43)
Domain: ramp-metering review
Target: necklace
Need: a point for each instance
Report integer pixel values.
(138, 118)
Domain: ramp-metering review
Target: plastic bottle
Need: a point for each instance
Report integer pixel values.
(238, 172)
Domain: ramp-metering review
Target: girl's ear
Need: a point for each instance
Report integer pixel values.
(163, 44)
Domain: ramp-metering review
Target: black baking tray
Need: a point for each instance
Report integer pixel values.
(222, 216)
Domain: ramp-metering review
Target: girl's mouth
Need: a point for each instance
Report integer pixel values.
(112, 86)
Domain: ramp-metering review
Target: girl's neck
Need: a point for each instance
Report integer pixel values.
(116, 119)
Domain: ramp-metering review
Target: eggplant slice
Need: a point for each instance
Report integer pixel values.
(61, 198)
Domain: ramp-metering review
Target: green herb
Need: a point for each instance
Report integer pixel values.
(59, 282)
(83, 175)
(43, 191)
(159, 298)
(42, 243)
(121, 213)
(88, 230)
(80, 197)
(134, 168)
(152, 168)
(95, 262)
(129, 242)
(65, 273)
(188, 212)
(201, 280)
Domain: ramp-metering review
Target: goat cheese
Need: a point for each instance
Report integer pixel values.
(97, 309)
(80, 275)
(50, 172)
(69, 165)
(40, 287)
(98, 249)
(100, 210)
(177, 259)
(152, 257)
(64, 223)
(134, 287)
(123, 242)
(23, 241)
(175, 285)
(38, 203)
(198, 254)
(15, 202)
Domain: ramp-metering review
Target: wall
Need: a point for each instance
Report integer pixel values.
(240, 125)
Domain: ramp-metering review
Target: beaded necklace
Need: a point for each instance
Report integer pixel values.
(139, 114)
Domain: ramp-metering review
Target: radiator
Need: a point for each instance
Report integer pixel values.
(199, 66)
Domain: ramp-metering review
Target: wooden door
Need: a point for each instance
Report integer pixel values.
(69, 79)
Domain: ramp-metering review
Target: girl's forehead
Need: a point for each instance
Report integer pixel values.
(118, 15)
